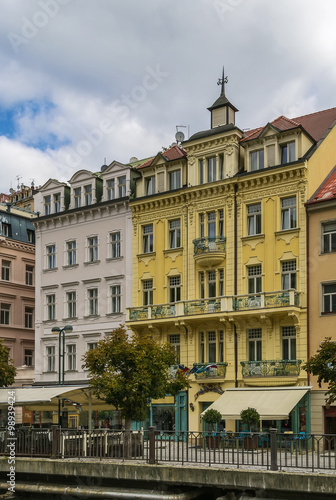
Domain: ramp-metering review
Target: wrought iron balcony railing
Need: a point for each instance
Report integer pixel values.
(227, 304)
(210, 370)
(271, 368)
(205, 245)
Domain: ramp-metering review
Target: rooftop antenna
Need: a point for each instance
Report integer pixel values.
(222, 81)
(179, 136)
(18, 177)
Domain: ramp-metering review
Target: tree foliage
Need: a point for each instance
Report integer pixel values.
(323, 366)
(250, 417)
(7, 371)
(126, 372)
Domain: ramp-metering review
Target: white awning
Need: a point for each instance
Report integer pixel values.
(46, 398)
(272, 403)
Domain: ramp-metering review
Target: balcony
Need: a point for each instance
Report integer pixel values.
(243, 304)
(271, 368)
(206, 371)
(209, 252)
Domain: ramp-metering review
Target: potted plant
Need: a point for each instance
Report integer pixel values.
(250, 417)
(212, 417)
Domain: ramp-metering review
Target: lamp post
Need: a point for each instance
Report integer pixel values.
(61, 365)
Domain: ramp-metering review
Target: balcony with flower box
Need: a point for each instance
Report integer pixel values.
(207, 371)
(267, 303)
(286, 371)
(209, 252)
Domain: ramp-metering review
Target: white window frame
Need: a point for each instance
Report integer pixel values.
(50, 351)
(288, 213)
(93, 301)
(29, 275)
(122, 186)
(150, 187)
(174, 179)
(288, 274)
(115, 294)
(254, 219)
(88, 197)
(174, 289)
(71, 252)
(288, 149)
(254, 279)
(71, 356)
(5, 313)
(147, 238)
(328, 236)
(29, 317)
(47, 204)
(57, 202)
(71, 304)
(147, 292)
(110, 189)
(92, 248)
(174, 233)
(51, 256)
(51, 307)
(331, 296)
(77, 197)
(254, 336)
(6, 268)
(257, 160)
(288, 335)
(115, 244)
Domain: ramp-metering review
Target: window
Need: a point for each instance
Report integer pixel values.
(174, 233)
(71, 250)
(115, 242)
(257, 160)
(254, 278)
(29, 317)
(57, 203)
(28, 357)
(5, 270)
(212, 347)
(329, 298)
(221, 282)
(212, 225)
(221, 167)
(221, 347)
(288, 152)
(254, 219)
(147, 292)
(71, 304)
(150, 185)
(4, 314)
(30, 236)
(202, 233)
(93, 301)
(212, 166)
(147, 238)
(91, 346)
(51, 358)
(174, 288)
(6, 229)
(51, 306)
(288, 276)
(288, 342)
(201, 171)
(208, 346)
(116, 299)
(88, 195)
(110, 189)
(221, 223)
(288, 213)
(174, 179)
(329, 237)
(29, 275)
(254, 344)
(78, 197)
(122, 186)
(71, 356)
(174, 340)
(47, 205)
(201, 281)
(211, 283)
(93, 249)
(51, 256)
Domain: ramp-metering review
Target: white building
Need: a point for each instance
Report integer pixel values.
(83, 266)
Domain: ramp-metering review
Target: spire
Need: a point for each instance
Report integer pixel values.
(222, 81)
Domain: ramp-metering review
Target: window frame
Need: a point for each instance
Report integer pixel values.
(174, 233)
(150, 185)
(147, 238)
(51, 307)
(93, 301)
(254, 279)
(174, 179)
(147, 292)
(122, 186)
(47, 204)
(174, 287)
(257, 160)
(254, 219)
(110, 189)
(115, 244)
(71, 304)
(254, 338)
(71, 355)
(88, 196)
(287, 152)
(175, 340)
(71, 253)
(332, 298)
(57, 202)
(92, 248)
(6, 270)
(115, 293)
(29, 317)
(288, 214)
(288, 339)
(29, 275)
(50, 358)
(289, 274)
(5, 314)
(328, 237)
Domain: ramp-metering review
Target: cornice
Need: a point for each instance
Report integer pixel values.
(267, 179)
(18, 245)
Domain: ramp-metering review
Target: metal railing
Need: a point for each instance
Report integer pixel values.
(208, 370)
(271, 368)
(269, 450)
(206, 245)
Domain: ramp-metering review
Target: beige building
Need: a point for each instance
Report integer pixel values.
(321, 212)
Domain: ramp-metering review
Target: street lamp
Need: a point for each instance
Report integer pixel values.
(61, 349)
(56, 330)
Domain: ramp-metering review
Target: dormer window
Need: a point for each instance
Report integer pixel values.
(257, 160)
(212, 177)
(150, 185)
(110, 189)
(122, 186)
(77, 197)
(47, 205)
(57, 203)
(175, 179)
(287, 152)
(88, 195)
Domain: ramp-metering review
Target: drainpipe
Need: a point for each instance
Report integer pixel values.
(307, 274)
(235, 281)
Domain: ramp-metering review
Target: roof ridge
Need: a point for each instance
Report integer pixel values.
(315, 113)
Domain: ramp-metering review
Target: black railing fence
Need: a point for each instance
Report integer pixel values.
(270, 451)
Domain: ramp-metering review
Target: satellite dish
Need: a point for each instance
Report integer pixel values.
(133, 159)
(179, 136)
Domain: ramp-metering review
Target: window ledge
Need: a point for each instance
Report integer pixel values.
(50, 270)
(109, 259)
(71, 371)
(329, 313)
(170, 250)
(287, 231)
(92, 316)
(90, 263)
(73, 318)
(260, 236)
(70, 266)
(148, 254)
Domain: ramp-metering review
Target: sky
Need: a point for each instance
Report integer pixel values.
(87, 82)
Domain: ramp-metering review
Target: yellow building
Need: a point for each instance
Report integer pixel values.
(219, 262)
(321, 211)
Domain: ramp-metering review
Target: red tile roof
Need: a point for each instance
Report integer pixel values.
(327, 190)
(173, 153)
(316, 124)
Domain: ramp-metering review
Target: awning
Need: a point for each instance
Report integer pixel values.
(272, 403)
(46, 398)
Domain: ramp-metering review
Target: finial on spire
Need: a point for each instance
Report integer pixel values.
(222, 81)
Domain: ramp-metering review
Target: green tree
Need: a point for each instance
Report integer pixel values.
(127, 371)
(7, 371)
(323, 366)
